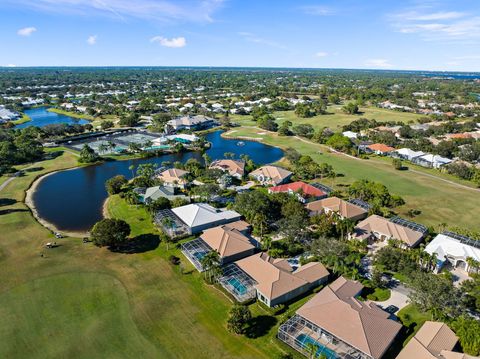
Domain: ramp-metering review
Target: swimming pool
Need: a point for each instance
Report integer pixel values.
(237, 285)
(199, 255)
(322, 350)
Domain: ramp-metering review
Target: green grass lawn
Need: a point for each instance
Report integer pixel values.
(80, 301)
(335, 118)
(23, 119)
(412, 318)
(438, 201)
(380, 294)
(71, 114)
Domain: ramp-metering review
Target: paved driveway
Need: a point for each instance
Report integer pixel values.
(399, 295)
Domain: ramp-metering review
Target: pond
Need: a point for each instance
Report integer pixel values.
(41, 117)
(72, 200)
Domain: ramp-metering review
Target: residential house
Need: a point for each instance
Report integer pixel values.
(432, 161)
(272, 281)
(344, 209)
(174, 177)
(434, 340)
(151, 194)
(7, 115)
(454, 249)
(407, 154)
(271, 175)
(378, 228)
(350, 134)
(340, 325)
(233, 167)
(196, 217)
(379, 149)
(304, 191)
(196, 122)
(229, 241)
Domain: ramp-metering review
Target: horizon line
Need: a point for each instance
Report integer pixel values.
(233, 67)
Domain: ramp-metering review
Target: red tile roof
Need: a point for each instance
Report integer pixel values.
(381, 147)
(305, 188)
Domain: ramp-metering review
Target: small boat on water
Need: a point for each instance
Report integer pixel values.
(240, 143)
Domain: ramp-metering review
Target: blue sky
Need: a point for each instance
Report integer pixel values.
(381, 34)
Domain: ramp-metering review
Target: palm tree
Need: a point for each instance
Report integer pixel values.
(473, 264)
(132, 168)
(131, 197)
(111, 145)
(168, 223)
(210, 263)
(207, 159)
(345, 225)
(266, 243)
(103, 148)
(260, 220)
(312, 349)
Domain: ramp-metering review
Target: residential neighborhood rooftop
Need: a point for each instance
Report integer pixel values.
(382, 227)
(434, 340)
(362, 325)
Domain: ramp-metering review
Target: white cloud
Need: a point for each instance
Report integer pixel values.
(414, 16)
(173, 42)
(26, 31)
(438, 25)
(157, 10)
(378, 63)
(250, 37)
(92, 40)
(10, 65)
(321, 54)
(317, 10)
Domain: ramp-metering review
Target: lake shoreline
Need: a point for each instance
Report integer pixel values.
(85, 213)
(31, 206)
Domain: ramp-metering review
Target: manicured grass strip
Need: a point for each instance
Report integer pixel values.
(438, 201)
(413, 319)
(70, 315)
(71, 114)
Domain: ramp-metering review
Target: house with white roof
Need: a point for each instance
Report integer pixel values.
(453, 249)
(350, 134)
(433, 161)
(197, 217)
(407, 154)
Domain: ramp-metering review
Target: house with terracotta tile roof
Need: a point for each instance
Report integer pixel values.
(233, 167)
(174, 177)
(304, 191)
(335, 205)
(379, 149)
(378, 228)
(339, 325)
(434, 340)
(230, 241)
(271, 175)
(272, 281)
